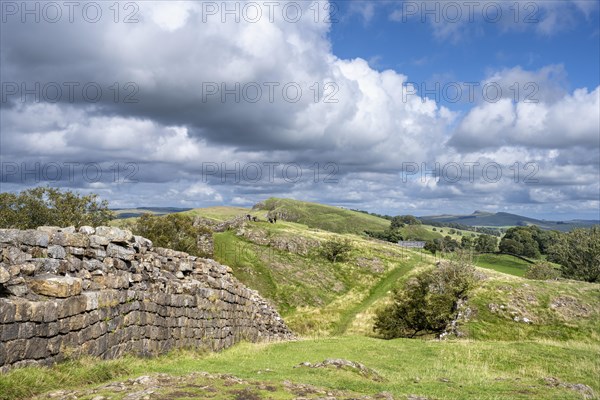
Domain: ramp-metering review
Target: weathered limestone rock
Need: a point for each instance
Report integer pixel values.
(70, 239)
(116, 251)
(56, 286)
(98, 241)
(46, 265)
(4, 275)
(27, 269)
(9, 235)
(113, 234)
(87, 230)
(14, 255)
(34, 238)
(56, 251)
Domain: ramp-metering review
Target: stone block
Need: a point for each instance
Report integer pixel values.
(96, 253)
(15, 350)
(114, 235)
(4, 275)
(98, 241)
(56, 251)
(9, 235)
(72, 306)
(34, 237)
(14, 255)
(55, 286)
(76, 251)
(116, 251)
(36, 349)
(70, 239)
(87, 230)
(46, 265)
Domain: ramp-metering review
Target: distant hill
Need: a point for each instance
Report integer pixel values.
(139, 211)
(503, 219)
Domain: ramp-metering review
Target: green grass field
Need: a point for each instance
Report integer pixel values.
(504, 263)
(437, 370)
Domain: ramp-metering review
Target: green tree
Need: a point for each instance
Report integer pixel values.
(433, 246)
(511, 246)
(449, 244)
(172, 231)
(578, 253)
(400, 220)
(336, 249)
(51, 206)
(526, 237)
(390, 235)
(466, 242)
(486, 243)
(427, 302)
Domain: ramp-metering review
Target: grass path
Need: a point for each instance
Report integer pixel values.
(377, 292)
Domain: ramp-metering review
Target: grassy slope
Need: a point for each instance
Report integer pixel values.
(221, 213)
(558, 310)
(502, 263)
(313, 294)
(437, 370)
(317, 297)
(329, 218)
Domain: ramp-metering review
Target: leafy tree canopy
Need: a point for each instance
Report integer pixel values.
(50, 206)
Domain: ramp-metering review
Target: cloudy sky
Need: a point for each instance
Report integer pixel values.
(389, 106)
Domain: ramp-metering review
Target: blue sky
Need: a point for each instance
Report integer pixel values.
(411, 47)
(187, 105)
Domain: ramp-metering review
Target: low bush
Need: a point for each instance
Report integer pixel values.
(426, 303)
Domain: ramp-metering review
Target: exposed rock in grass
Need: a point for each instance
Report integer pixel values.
(374, 264)
(570, 307)
(585, 391)
(205, 385)
(347, 365)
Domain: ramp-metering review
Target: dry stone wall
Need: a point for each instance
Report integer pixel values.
(105, 292)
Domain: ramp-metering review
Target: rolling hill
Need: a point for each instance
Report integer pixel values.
(320, 216)
(122, 213)
(503, 219)
(338, 220)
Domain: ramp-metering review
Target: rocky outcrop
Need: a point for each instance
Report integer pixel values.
(205, 241)
(105, 292)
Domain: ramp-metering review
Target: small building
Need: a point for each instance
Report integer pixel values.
(411, 244)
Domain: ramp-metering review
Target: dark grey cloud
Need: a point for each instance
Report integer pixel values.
(173, 130)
